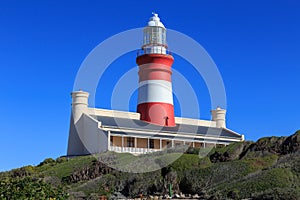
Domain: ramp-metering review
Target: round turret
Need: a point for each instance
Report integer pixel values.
(219, 116)
(79, 104)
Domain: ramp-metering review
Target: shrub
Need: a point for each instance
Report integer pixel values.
(29, 188)
(47, 161)
(234, 194)
(192, 150)
(22, 172)
(61, 159)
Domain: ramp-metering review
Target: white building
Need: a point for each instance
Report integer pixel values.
(98, 130)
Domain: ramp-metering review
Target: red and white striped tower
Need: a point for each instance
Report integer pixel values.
(155, 97)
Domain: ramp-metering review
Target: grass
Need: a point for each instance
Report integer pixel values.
(66, 168)
(231, 148)
(260, 163)
(186, 161)
(269, 179)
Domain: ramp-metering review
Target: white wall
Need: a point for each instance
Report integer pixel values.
(86, 138)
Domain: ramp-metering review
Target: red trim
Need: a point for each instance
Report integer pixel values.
(155, 67)
(157, 113)
(155, 58)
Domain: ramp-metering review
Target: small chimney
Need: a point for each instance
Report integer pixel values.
(219, 116)
(79, 104)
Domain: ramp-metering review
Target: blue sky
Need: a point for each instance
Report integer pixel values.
(255, 44)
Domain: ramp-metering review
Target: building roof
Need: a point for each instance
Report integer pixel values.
(183, 129)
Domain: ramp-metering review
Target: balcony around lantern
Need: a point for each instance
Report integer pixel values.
(153, 50)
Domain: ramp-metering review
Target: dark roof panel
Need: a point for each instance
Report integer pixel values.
(179, 128)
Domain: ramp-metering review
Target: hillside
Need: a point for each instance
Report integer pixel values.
(266, 169)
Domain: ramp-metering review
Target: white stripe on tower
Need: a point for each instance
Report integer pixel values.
(155, 91)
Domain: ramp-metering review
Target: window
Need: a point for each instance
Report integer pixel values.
(151, 143)
(130, 142)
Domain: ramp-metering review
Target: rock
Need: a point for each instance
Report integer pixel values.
(88, 173)
(233, 152)
(219, 157)
(78, 195)
(117, 195)
(268, 144)
(273, 145)
(181, 195)
(291, 144)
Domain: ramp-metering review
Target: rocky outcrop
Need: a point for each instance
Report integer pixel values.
(234, 151)
(291, 144)
(274, 145)
(264, 146)
(87, 173)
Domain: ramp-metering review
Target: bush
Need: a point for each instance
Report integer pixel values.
(278, 193)
(192, 150)
(29, 188)
(234, 194)
(22, 172)
(47, 161)
(61, 159)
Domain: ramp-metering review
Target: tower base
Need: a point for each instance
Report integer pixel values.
(157, 113)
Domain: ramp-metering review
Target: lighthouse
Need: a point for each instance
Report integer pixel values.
(95, 130)
(155, 97)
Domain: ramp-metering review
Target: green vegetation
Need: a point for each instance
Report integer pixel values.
(267, 169)
(64, 168)
(30, 188)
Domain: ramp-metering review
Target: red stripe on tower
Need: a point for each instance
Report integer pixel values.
(155, 97)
